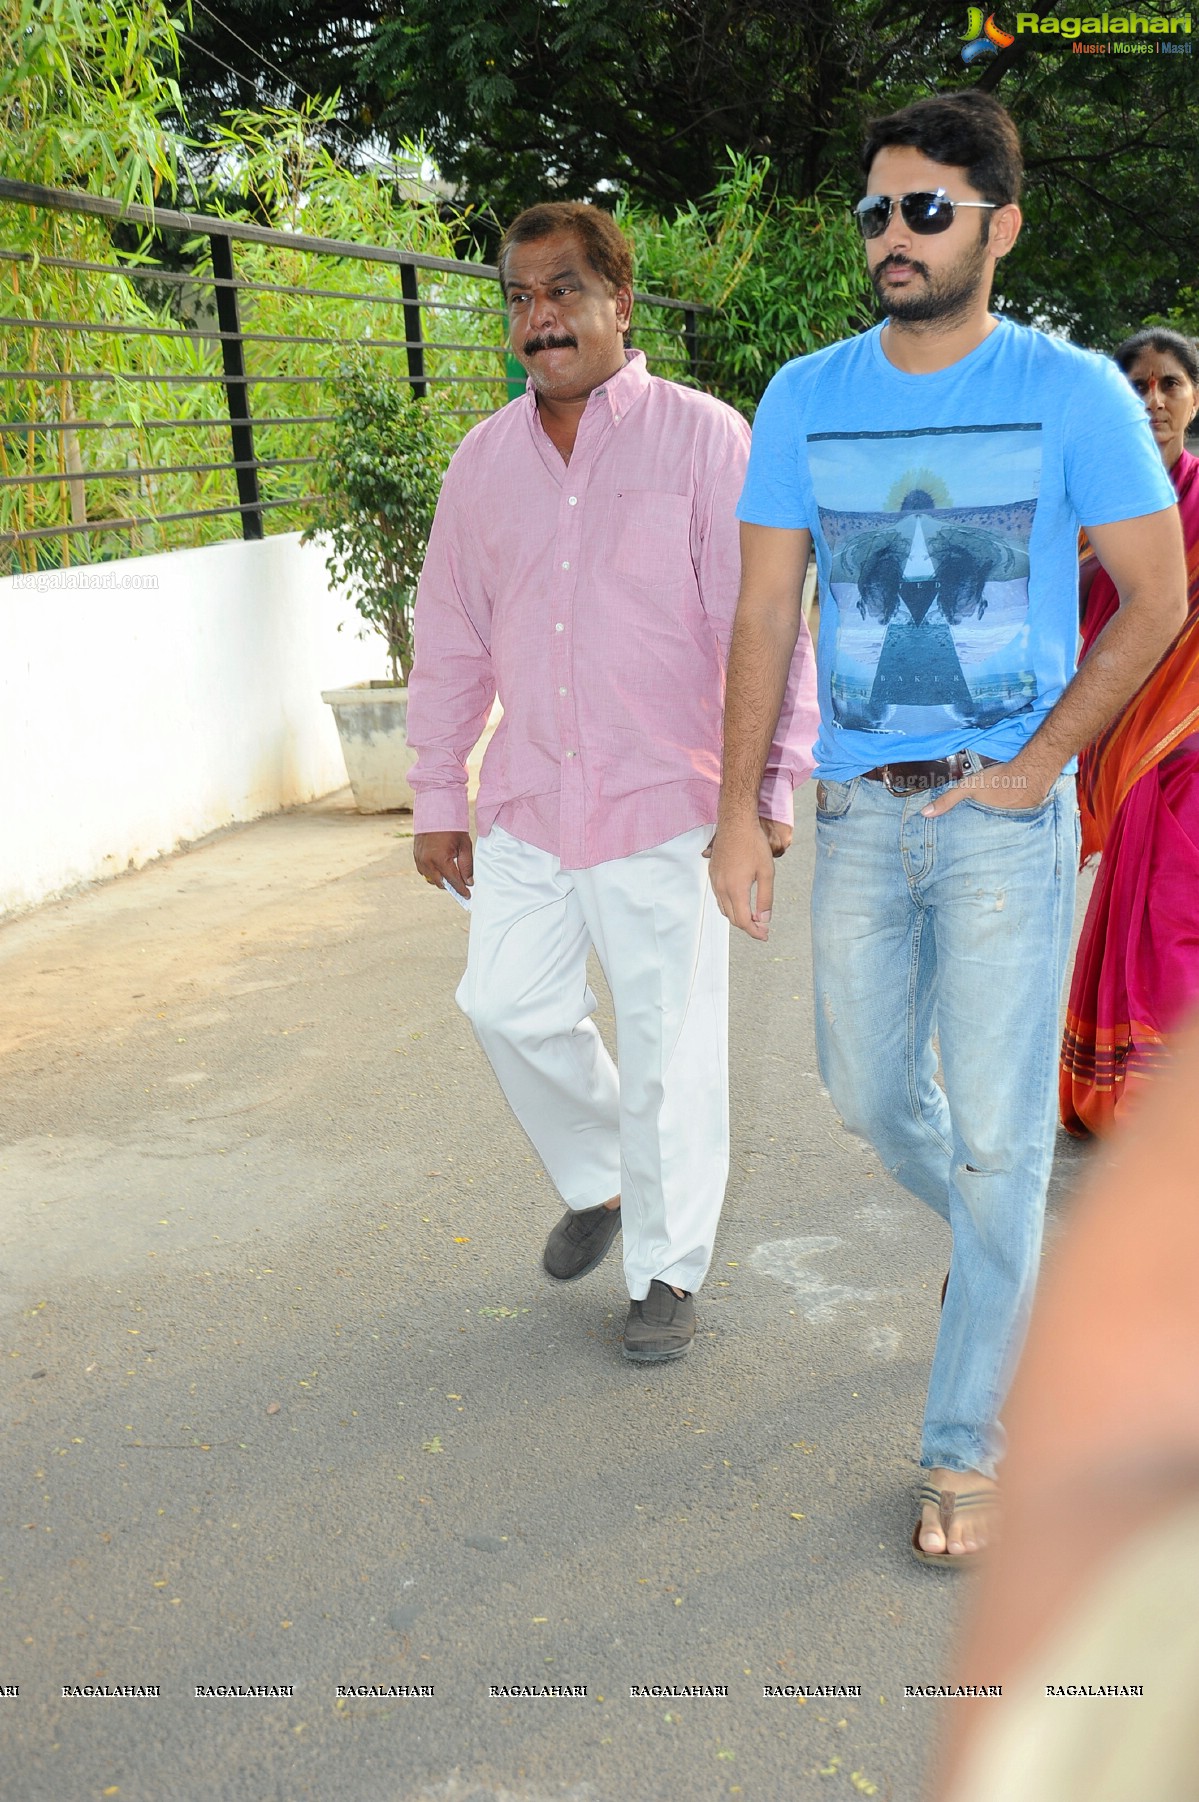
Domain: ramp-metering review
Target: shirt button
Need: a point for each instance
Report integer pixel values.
(561, 691)
(566, 566)
(570, 753)
(559, 627)
(573, 501)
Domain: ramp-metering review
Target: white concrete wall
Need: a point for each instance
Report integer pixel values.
(136, 718)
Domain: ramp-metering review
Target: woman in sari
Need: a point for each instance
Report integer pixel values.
(1137, 967)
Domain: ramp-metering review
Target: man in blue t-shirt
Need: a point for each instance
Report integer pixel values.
(942, 464)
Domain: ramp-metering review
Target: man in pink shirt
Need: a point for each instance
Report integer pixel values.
(584, 566)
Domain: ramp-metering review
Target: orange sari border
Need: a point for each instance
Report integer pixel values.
(1101, 1071)
(1104, 1055)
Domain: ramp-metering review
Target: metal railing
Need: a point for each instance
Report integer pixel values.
(86, 463)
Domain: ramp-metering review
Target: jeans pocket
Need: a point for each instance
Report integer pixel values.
(1026, 814)
(1023, 813)
(833, 799)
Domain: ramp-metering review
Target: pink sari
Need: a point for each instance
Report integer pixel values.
(1137, 968)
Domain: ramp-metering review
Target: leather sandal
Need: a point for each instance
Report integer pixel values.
(947, 1502)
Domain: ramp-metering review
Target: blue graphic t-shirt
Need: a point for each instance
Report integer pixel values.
(945, 510)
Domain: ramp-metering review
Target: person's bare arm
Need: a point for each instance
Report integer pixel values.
(1144, 558)
(1087, 571)
(769, 611)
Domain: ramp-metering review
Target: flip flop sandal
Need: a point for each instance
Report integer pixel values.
(947, 1502)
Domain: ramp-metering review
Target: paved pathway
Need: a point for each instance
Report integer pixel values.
(291, 1403)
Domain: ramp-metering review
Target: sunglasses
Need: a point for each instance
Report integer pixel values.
(926, 213)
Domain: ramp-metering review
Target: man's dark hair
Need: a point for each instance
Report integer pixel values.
(1160, 338)
(969, 131)
(604, 244)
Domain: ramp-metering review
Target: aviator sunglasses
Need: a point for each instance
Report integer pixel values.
(924, 213)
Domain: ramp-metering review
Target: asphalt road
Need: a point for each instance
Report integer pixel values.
(291, 1403)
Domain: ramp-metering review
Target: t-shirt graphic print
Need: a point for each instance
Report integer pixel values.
(928, 538)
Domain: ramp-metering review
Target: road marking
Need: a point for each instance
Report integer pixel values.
(877, 1218)
(786, 1260)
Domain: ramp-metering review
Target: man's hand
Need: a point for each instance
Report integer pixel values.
(742, 872)
(777, 832)
(448, 856)
(1003, 785)
(778, 835)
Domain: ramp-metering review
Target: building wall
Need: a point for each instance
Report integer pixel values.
(134, 718)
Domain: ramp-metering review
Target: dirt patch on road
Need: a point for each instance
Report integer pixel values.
(214, 918)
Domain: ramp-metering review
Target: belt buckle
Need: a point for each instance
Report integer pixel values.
(902, 785)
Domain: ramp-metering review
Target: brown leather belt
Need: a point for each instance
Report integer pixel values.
(911, 778)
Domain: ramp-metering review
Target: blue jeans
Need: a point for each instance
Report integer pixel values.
(958, 927)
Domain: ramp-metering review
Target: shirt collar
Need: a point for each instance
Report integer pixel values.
(619, 392)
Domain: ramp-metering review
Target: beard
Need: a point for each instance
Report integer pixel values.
(944, 297)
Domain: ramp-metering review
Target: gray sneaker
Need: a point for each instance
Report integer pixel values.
(580, 1241)
(660, 1327)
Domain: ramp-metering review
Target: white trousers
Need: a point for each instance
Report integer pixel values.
(657, 1135)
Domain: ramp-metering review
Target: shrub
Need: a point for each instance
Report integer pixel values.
(785, 276)
(378, 487)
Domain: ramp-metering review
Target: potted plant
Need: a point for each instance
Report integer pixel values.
(378, 483)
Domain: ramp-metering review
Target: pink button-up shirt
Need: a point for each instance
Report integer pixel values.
(596, 597)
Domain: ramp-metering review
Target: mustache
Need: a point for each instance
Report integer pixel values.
(547, 341)
(896, 262)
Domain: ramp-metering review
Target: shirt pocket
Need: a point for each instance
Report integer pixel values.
(650, 535)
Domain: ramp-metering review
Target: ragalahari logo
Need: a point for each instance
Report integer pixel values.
(1111, 34)
(982, 37)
